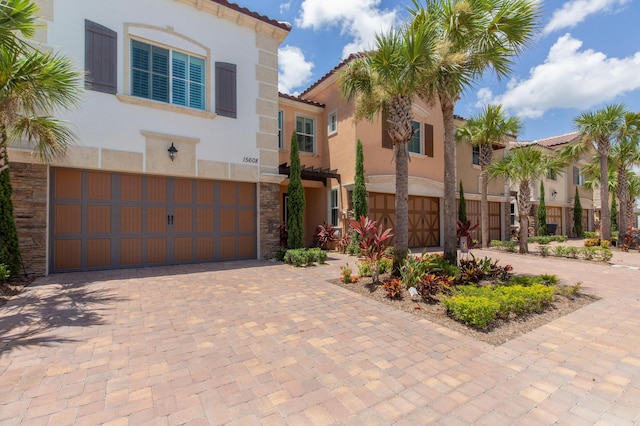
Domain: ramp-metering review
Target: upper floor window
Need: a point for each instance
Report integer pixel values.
(305, 129)
(332, 121)
(167, 75)
(415, 144)
(280, 133)
(578, 178)
(551, 174)
(476, 155)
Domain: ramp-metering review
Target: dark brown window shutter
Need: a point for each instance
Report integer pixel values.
(226, 94)
(428, 140)
(386, 139)
(100, 58)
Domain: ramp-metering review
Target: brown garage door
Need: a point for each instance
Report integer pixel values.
(473, 215)
(102, 220)
(424, 217)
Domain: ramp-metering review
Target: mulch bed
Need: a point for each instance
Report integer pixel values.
(13, 287)
(497, 333)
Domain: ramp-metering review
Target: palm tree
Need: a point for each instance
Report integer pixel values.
(471, 36)
(32, 85)
(625, 154)
(491, 126)
(524, 165)
(384, 83)
(598, 129)
(634, 192)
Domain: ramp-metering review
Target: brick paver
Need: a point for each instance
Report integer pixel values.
(263, 343)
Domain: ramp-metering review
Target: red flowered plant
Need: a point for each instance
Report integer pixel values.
(372, 242)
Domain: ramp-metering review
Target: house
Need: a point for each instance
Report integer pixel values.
(334, 133)
(560, 189)
(177, 148)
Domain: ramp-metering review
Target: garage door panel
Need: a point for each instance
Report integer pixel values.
(68, 254)
(156, 250)
(68, 219)
(247, 246)
(228, 192)
(205, 192)
(98, 219)
(131, 220)
(130, 188)
(247, 194)
(68, 184)
(98, 253)
(156, 219)
(204, 248)
(247, 221)
(98, 186)
(131, 251)
(184, 191)
(205, 220)
(228, 220)
(227, 247)
(183, 219)
(156, 189)
(183, 249)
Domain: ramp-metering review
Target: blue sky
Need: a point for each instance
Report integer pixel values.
(587, 54)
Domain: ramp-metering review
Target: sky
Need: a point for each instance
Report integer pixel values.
(586, 55)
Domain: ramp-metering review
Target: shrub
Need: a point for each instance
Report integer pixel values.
(373, 242)
(588, 234)
(572, 252)
(509, 246)
(464, 229)
(545, 250)
(474, 311)
(296, 257)
(433, 284)
(568, 290)
(364, 269)
(412, 271)
(496, 244)
(592, 242)
(347, 276)
(280, 253)
(393, 287)
(589, 253)
(386, 263)
(319, 255)
(325, 234)
(560, 251)
(5, 273)
(529, 280)
(604, 255)
(343, 243)
(546, 239)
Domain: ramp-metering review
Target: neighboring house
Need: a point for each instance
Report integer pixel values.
(335, 134)
(560, 189)
(177, 154)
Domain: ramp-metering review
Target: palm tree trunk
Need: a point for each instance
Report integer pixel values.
(623, 196)
(401, 231)
(605, 216)
(629, 212)
(524, 206)
(486, 152)
(449, 221)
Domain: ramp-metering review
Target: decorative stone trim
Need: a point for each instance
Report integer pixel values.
(269, 214)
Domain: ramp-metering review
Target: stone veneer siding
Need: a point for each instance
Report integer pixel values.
(269, 219)
(29, 182)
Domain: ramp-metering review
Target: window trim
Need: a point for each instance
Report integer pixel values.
(315, 133)
(551, 175)
(330, 131)
(143, 32)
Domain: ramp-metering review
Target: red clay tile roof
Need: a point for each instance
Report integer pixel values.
(299, 99)
(336, 68)
(558, 140)
(285, 26)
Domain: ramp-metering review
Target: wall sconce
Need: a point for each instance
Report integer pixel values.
(172, 151)
(554, 193)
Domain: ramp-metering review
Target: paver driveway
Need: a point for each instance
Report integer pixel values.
(257, 342)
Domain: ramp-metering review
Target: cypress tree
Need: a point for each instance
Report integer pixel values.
(577, 215)
(462, 206)
(614, 214)
(295, 202)
(542, 212)
(359, 195)
(9, 248)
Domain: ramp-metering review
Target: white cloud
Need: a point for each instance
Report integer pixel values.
(284, 7)
(575, 11)
(359, 19)
(569, 78)
(294, 69)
